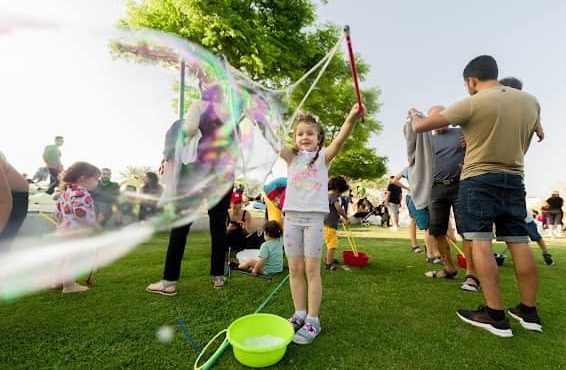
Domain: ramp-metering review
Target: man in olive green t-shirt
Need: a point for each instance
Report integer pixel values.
(52, 159)
(498, 123)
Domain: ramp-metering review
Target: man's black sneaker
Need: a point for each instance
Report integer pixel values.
(548, 258)
(481, 319)
(529, 321)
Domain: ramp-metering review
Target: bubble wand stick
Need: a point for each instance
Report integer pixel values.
(353, 66)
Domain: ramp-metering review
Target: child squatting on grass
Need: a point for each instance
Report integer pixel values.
(270, 257)
(306, 205)
(75, 207)
(337, 185)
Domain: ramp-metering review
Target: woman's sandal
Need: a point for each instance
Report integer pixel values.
(470, 287)
(161, 288)
(440, 274)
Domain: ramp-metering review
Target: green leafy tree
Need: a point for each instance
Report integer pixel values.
(367, 164)
(275, 42)
(133, 175)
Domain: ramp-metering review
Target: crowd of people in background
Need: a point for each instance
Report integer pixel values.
(445, 180)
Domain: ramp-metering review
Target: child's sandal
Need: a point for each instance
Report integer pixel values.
(440, 274)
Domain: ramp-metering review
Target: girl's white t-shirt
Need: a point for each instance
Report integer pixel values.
(307, 186)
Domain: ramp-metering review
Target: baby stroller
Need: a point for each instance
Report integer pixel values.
(365, 211)
(377, 216)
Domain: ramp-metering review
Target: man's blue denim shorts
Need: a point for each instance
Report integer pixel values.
(420, 216)
(493, 199)
(534, 235)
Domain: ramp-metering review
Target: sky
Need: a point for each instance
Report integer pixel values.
(416, 51)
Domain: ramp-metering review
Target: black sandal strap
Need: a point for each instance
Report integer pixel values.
(474, 278)
(450, 275)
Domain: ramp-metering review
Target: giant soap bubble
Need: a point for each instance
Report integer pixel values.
(111, 95)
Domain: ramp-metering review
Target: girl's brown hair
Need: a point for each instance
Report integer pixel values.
(312, 120)
(78, 170)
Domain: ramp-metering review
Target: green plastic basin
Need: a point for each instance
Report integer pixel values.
(260, 339)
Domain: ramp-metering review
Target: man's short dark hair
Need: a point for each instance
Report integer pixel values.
(58, 137)
(483, 68)
(512, 82)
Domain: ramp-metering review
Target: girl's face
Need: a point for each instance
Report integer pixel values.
(90, 183)
(306, 137)
(236, 206)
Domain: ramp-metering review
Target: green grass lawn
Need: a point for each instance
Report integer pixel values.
(384, 316)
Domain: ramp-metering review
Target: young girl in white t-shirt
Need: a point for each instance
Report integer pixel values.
(306, 204)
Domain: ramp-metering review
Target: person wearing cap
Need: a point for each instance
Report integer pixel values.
(555, 214)
(238, 223)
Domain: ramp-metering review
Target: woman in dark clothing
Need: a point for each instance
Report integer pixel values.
(555, 214)
(151, 187)
(238, 224)
(189, 168)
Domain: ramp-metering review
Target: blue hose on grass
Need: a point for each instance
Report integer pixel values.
(185, 330)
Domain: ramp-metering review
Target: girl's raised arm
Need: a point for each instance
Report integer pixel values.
(286, 153)
(345, 132)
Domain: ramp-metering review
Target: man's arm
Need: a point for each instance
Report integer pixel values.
(428, 123)
(286, 154)
(539, 131)
(538, 128)
(387, 196)
(46, 155)
(192, 118)
(397, 181)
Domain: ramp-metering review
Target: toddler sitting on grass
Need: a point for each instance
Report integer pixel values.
(270, 258)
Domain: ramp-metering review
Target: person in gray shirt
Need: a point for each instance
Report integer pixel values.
(449, 150)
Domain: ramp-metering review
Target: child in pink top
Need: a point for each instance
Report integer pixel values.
(75, 207)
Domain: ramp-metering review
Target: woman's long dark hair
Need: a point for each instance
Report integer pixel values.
(153, 183)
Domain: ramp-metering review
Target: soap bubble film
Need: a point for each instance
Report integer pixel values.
(113, 95)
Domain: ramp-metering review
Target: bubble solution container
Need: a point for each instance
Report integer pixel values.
(260, 339)
(351, 259)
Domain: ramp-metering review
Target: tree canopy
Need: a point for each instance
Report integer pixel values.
(275, 42)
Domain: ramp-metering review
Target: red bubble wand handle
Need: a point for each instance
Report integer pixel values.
(353, 66)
